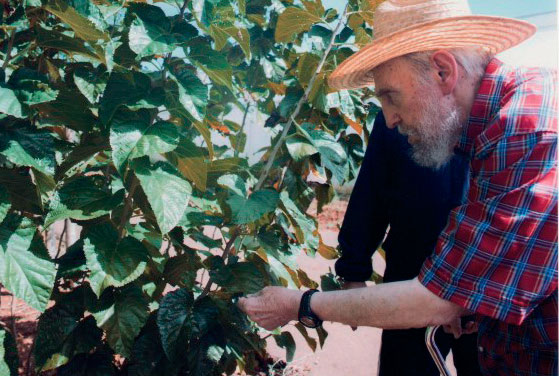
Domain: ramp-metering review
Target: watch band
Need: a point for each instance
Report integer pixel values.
(306, 316)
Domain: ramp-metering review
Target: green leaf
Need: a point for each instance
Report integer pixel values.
(83, 198)
(71, 46)
(285, 340)
(83, 28)
(31, 87)
(292, 22)
(329, 282)
(175, 322)
(310, 341)
(25, 267)
(123, 88)
(100, 363)
(305, 227)
(332, 154)
(133, 137)
(112, 262)
(220, 33)
(121, 314)
(10, 105)
(251, 209)
(241, 277)
(9, 360)
(299, 147)
(191, 162)
(181, 270)
(90, 83)
(193, 94)
(234, 183)
(5, 203)
(61, 335)
(167, 192)
(28, 147)
(70, 109)
(150, 31)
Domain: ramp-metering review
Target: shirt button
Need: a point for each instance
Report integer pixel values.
(480, 349)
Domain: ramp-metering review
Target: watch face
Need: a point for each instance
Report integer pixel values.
(308, 321)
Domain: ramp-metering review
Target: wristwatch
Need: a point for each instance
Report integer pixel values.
(306, 316)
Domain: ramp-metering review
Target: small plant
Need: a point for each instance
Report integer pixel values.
(116, 116)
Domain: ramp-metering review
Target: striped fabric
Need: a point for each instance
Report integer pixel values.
(497, 256)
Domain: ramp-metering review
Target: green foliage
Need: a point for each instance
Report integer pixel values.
(124, 120)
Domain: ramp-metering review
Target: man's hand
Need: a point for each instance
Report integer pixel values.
(347, 285)
(455, 328)
(272, 306)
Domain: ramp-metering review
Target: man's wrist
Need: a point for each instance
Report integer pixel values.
(295, 304)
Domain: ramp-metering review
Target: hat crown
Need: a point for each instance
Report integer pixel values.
(394, 15)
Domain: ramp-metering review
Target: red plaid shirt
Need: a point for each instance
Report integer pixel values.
(497, 256)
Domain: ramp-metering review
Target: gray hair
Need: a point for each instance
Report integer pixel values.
(473, 60)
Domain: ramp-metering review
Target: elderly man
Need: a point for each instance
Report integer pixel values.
(432, 67)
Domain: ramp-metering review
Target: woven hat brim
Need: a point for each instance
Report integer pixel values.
(496, 34)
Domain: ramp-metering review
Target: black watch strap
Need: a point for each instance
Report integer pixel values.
(306, 316)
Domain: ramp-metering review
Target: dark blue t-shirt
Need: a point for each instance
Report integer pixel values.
(392, 192)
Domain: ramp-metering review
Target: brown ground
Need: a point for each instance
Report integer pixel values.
(345, 352)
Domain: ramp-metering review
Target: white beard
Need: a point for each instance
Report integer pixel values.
(436, 134)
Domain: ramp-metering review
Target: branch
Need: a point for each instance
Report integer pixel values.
(303, 99)
(127, 207)
(9, 51)
(224, 256)
(60, 240)
(240, 132)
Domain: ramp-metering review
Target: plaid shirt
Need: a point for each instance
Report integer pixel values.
(497, 256)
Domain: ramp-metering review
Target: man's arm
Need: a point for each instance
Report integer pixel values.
(395, 305)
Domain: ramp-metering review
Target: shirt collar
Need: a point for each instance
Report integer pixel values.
(486, 104)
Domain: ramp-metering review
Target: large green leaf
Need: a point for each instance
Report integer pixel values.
(286, 341)
(83, 28)
(9, 360)
(251, 209)
(175, 322)
(299, 147)
(70, 109)
(25, 146)
(100, 363)
(31, 87)
(150, 31)
(62, 334)
(121, 314)
(123, 88)
(241, 277)
(221, 32)
(191, 162)
(292, 22)
(193, 94)
(167, 192)
(25, 267)
(9, 104)
(72, 46)
(112, 262)
(5, 203)
(305, 228)
(82, 198)
(91, 83)
(134, 136)
(332, 154)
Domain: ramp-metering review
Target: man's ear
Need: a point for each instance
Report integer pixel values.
(446, 69)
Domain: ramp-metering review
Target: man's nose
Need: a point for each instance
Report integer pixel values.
(392, 121)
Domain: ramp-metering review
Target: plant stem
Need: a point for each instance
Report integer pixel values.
(224, 257)
(9, 51)
(127, 207)
(303, 99)
(240, 132)
(60, 240)
(12, 317)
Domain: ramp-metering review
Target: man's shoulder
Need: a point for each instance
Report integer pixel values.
(528, 104)
(529, 101)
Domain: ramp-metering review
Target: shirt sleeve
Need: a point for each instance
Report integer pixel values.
(497, 255)
(366, 219)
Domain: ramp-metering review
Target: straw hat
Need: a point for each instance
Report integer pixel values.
(405, 26)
